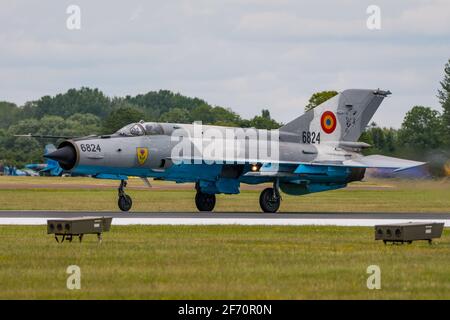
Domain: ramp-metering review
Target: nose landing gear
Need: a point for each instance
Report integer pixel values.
(124, 201)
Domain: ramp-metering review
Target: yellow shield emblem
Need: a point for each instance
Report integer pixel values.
(142, 155)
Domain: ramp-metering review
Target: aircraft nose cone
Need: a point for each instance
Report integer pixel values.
(66, 156)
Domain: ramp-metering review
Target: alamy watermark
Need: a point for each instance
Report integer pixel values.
(73, 21)
(373, 22)
(74, 279)
(374, 280)
(199, 144)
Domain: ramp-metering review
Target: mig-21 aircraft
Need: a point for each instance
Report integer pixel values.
(317, 151)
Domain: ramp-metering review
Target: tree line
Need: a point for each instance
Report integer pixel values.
(424, 133)
(86, 111)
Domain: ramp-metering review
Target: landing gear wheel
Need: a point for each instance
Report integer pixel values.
(125, 202)
(269, 200)
(205, 201)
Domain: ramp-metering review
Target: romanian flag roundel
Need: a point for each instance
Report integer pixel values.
(328, 122)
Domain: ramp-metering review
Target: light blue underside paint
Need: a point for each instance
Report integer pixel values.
(222, 185)
(210, 181)
(333, 171)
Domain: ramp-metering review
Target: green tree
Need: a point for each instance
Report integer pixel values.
(421, 129)
(51, 125)
(264, 121)
(82, 124)
(176, 115)
(378, 138)
(20, 150)
(156, 103)
(87, 119)
(203, 113)
(120, 118)
(26, 150)
(9, 114)
(319, 98)
(225, 117)
(390, 139)
(382, 140)
(444, 99)
(84, 100)
(25, 126)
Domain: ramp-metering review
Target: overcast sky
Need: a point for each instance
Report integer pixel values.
(245, 55)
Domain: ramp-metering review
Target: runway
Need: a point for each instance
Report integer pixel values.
(222, 218)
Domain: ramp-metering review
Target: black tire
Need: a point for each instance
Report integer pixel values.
(205, 201)
(125, 203)
(268, 202)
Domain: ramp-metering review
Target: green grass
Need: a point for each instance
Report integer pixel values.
(50, 193)
(221, 262)
(396, 200)
(228, 262)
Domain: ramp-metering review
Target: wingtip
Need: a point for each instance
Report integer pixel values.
(417, 164)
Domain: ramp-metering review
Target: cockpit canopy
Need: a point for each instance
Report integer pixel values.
(140, 129)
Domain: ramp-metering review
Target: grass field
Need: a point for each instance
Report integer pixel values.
(40, 193)
(226, 262)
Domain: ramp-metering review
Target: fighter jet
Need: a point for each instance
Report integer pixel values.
(50, 167)
(318, 151)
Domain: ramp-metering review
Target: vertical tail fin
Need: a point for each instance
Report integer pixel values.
(341, 118)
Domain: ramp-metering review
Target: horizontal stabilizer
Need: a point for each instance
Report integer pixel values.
(382, 162)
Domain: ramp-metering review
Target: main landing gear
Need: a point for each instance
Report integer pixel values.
(270, 199)
(205, 201)
(124, 201)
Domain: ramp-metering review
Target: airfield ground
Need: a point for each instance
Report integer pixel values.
(221, 262)
(46, 193)
(209, 262)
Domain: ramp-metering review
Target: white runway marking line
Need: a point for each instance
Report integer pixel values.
(232, 221)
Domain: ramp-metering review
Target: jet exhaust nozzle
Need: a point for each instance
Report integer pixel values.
(65, 155)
